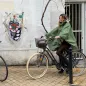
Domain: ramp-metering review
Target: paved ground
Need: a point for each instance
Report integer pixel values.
(18, 77)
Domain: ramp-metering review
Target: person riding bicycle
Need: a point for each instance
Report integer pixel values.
(61, 38)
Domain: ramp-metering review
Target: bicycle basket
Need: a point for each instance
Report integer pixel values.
(40, 43)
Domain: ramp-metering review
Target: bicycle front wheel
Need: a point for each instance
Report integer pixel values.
(37, 65)
(3, 70)
(79, 63)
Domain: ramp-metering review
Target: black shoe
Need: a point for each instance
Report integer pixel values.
(67, 71)
(61, 71)
(58, 66)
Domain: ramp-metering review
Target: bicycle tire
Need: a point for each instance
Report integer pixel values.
(3, 70)
(42, 65)
(78, 63)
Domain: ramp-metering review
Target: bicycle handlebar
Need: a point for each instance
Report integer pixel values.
(51, 38)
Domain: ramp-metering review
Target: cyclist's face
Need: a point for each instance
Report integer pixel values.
(61, 19)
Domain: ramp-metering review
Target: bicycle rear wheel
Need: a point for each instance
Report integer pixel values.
(78, 63)
(37, 65)
(3, 70)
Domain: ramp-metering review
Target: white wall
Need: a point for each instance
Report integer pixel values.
(84, 27)
(18, 52)
(57, 8)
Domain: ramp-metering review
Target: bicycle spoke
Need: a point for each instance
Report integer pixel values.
(37, 65)
(78, 61)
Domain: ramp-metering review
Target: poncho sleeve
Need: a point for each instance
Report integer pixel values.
(51, 33)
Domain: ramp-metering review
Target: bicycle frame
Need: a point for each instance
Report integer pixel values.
(54, 61)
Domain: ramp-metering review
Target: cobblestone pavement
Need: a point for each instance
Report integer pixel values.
(18, 77)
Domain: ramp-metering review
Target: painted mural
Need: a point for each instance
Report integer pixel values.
(14, 25)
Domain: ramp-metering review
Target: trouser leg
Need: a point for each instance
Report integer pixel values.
(63, 60)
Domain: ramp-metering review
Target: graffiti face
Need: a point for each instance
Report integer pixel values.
(15, 30)
(14, 24)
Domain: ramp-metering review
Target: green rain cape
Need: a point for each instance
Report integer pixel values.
(65, 32)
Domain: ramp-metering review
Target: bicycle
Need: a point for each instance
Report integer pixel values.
(3, 69)
(37, 64)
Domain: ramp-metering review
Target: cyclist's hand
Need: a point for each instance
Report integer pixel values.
(56, 37)
(50, 37)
